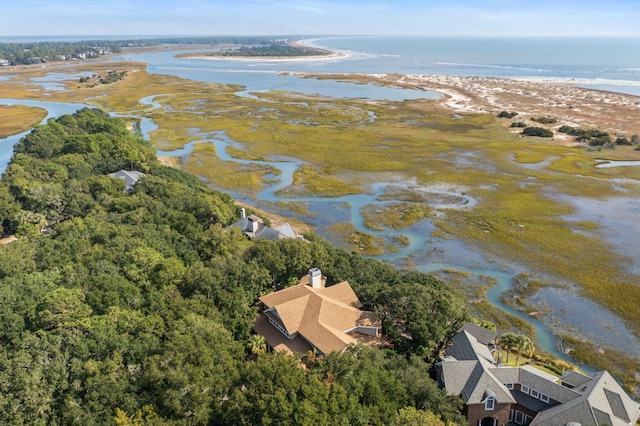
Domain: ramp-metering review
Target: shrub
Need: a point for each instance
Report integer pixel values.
(518, 124)
(505, 114)
(537, 131)
(623, 141)
(544, 120)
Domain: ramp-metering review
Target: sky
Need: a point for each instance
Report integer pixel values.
(321, 17)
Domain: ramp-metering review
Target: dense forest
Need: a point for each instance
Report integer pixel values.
(274, 49)
(135, 307)
(25, 53)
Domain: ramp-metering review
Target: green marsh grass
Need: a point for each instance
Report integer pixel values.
(395, 216)
(517, 218)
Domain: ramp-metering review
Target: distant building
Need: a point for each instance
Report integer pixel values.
(129, 177)
(497, 396)
(254, 228)
(310, 316)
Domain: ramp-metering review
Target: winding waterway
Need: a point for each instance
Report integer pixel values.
(324, 212)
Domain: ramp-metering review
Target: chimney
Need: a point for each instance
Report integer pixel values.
(315, 278)
(253, 224)
(243, 213)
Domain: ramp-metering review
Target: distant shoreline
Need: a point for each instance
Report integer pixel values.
(312, 58)
(330, 55)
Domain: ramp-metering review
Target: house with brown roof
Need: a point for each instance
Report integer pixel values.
(496, 395)
(313, 316)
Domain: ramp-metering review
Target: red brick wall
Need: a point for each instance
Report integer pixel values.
(476, 412)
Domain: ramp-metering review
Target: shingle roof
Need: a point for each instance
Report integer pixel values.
(601, 401)
(323, 316)
(262, 231)
(574, 379)
(481, 334)
(466, 347)
(468, 371)
(129, 177)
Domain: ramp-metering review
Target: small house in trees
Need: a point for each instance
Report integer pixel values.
(254, 228)
(129, 177)
(496, 395)
(311, 316)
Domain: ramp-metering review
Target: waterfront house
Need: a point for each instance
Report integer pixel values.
(310, 316)
(254, 228)
(497, 395)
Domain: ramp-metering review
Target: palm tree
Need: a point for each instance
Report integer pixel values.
(524, 346)
(508, 341)
(257, 345)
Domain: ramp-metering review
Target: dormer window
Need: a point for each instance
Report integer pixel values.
(489, 404)
(489, 398)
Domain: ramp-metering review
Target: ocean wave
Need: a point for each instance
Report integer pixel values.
(507, 67)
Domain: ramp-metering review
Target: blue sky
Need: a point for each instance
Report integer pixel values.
(271, 17)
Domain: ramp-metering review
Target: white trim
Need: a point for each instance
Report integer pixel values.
(544, 398)
(519, 415)
(534, 393)
(490, 404)
(369, 330)
(524, 389)
(509, 386)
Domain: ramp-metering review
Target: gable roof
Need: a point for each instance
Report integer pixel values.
(253, 227)
(482, 335)
(468, 371)
(597, 400)
(324, 316)
(464, 346)
(129, 177)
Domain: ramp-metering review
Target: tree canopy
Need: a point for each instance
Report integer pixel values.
(135, 307)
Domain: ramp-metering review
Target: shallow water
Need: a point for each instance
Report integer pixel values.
(369, 56)
(428, 253)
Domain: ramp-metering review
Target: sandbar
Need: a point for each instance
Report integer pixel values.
(328, 57)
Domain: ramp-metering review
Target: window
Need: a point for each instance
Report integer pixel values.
(509, 385)
(489, 404)
(519, 417)
(511, 415)
(527, 419)
(524, 389)
(544, 398)
(534, 393)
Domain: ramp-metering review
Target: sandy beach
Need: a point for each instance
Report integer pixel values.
(562, 99)
(329, 57)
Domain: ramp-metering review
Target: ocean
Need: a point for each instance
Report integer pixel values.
(603, 63)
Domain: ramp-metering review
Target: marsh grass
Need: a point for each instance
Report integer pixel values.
(475, 290)
(515, 219)
(357, 241)
(619, 364)
(17, 119)
(395, 216)
(307, 180)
